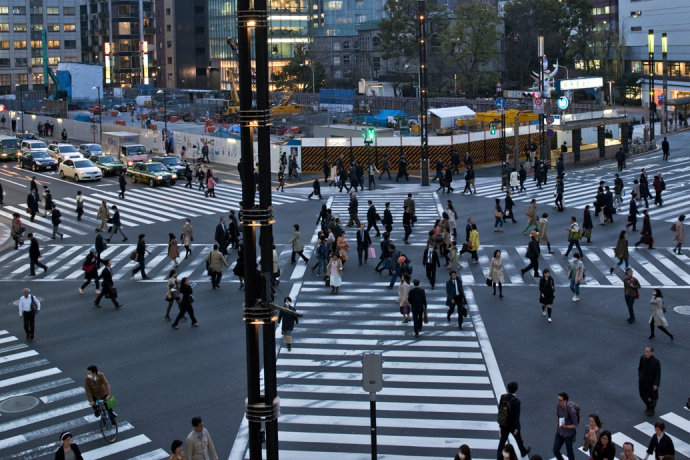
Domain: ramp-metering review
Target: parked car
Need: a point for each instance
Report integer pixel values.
(32, 144)
(90, 149)
(151, 173)
(79, 169)
(37, 160)
(173, 163)
(108, 164)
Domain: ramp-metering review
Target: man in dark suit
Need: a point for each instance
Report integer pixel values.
(107, 285)
(455, 296)
(100, 245)
(371, 218)
(221, 236)
(363, 243)
(352, 210)
(649, 373)
(431, 262)
(512, 424)
(317, 189)
(34, 254)
(417, 299)
(32, 204)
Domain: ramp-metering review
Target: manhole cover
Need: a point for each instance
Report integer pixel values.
(682, 309)
(18, 404)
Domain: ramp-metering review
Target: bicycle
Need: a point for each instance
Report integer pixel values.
(108, 424)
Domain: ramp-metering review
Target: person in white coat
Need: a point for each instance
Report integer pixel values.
(514, 181)
(678, 234)
(297, 247)
(658, 318)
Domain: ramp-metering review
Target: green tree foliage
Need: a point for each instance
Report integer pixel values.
(567, 26)
(472, 42)
(400, 44)
(297, 75)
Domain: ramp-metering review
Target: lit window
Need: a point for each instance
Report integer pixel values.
(53, 44)
(69, 27)
(19, 10)
(17, 28)
(4, 10)
(333, 5)
(53, 11)
(53, 28)
(5, 27)
(20, 44)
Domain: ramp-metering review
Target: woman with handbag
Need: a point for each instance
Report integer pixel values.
(90, 271)
(335, 272)
(17, 231)
(498, 216)
(173, 292)
(496, 272)
(186, 304)
(173, 248)
(187, 237)
(658, 318)
(403, 301)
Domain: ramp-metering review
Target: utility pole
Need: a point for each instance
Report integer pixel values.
(259, 311)
(664, 56)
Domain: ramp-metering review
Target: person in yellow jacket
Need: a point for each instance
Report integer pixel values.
(473, 244)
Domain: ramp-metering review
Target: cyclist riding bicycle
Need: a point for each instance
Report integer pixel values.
(97, 387)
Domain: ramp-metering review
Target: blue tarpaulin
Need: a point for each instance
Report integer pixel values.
(382, 117)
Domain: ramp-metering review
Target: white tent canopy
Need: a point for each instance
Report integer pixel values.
(445, 117)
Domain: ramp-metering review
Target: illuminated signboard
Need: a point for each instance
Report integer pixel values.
(582, 83)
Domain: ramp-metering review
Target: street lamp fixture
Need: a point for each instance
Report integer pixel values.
(165, 118)
(18, 88)
(100, 114)
(652, 106)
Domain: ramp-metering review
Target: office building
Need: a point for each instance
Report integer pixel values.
(21, 47)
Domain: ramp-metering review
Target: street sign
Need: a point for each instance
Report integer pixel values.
(500, 103)
(538, 106)
(550, 119)
(513, 94)
(661, 99)
(549, 132)
(563, 102)
(372, 372)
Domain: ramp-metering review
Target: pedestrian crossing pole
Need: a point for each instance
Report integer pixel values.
(423, 96)
(259, 311)
(372, 381)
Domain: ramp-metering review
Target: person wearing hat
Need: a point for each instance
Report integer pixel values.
(68, 450)
(90, 271)
(533, 251)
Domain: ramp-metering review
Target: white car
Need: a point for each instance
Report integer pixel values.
(63, 151)
(79, 169)
(33, 144)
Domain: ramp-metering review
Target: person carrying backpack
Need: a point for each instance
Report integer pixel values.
(509, 421)
(568, 419)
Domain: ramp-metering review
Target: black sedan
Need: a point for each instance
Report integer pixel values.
(37, 160)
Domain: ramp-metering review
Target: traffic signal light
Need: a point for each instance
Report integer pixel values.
(532, 94)
(369, 135)
(2, 108)
(492, 128)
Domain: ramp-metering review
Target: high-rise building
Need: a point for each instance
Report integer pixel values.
(182, 44)
(120, 35)
(21, 47)
(289, 35)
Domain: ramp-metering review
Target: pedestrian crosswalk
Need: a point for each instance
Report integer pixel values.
(57, 403)
(64, 262)
(437, 391)
(677, 428)
(581, 187)
(142, 206)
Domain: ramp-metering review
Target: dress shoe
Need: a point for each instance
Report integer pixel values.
(448, 316)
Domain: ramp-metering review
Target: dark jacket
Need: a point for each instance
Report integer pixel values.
(663, 446)
(141, 249)
(417, 298)
(533, 249)
(371, 214)
(316, 186)
(514, 420)
(116, 219)
(107, 278)
(601, 453)
(387, 217)
(34, 251)
(100, 244)
(649, 372)
(435, 262)
(32, 202)
(450, 290)
(547, 290)
(407, 218)
(288, 320)
(60, 454)
(123, 181)
(352, 207)
(220, 235)
(55, 217)
(363, 242)
(587, 220)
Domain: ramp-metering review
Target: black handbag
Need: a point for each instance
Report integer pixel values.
(489, 282)
(327, 280)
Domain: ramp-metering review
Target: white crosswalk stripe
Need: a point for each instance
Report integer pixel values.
(581, 187)
(142, 206)
(64, 262)
(62, 406)
(677, 428)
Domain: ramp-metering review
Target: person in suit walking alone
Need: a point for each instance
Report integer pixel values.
(431, 262)
(417, 299)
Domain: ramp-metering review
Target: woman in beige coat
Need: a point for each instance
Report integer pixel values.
(658, 318)
(173, 249)
(187, 237)
(532, 217)
(678, 234)
(403, 301)
(543, 232)
(496, 272)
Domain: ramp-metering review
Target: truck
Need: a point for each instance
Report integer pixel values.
(124, 146)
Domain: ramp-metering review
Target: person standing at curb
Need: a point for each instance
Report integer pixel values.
(29, 306)
(649, 375)
(631, 290)
(567, 424)
(509, 421)
(417, 298)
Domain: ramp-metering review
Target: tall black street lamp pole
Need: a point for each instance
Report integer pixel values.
(100, 114)
(423, 96)
(259, 310)
(652, 105)
(540, 52)
(21, 101)
(664, 56)
(165, 117)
